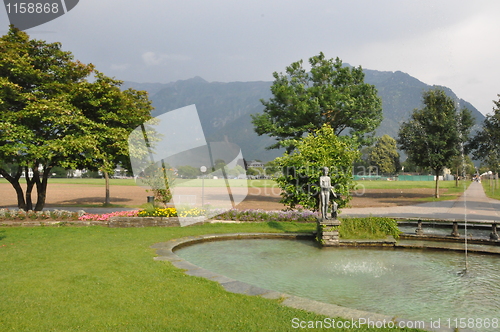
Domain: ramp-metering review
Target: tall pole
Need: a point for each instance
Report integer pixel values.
(203, 169)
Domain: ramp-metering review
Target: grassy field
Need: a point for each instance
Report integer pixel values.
(451, 190)
(85, 181)
(491, 188)
(410, 184)
(255, 183)
(105, 279)
(131, 182)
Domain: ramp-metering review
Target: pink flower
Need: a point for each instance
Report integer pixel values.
(107, 216)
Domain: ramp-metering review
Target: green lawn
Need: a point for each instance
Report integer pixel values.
(105, 279)
(408, 184)
(451, 191)
(84, 181)
(252, 183)
(491, 188)
(131, 182)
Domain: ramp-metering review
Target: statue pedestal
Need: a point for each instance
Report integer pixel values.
(328, 233)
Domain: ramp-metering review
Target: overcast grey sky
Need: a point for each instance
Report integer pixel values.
(445, 42)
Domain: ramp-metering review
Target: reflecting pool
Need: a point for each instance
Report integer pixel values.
(412, 284)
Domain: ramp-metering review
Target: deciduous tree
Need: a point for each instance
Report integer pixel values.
(435, 134)
(330, 93)
(485, 144)
(115, 113)
(46, 118)
(384, 155)
(302, 168)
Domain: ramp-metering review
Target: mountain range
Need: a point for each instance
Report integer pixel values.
(224, 108)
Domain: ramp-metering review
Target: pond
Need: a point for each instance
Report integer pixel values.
(411, 284)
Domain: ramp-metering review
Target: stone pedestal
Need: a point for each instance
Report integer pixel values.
(454, 232)
(494, 234)
(328, 233)
(419, 230)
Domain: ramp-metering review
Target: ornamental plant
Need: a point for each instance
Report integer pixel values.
(6, 214)
(368, 228)
(107, 216)
(158, 212)
(172, 212)
(263, 216)
(302, 168)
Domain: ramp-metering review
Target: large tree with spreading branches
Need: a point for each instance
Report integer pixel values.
(330, 93)
(51, 114)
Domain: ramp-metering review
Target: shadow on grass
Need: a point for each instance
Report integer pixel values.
(277, 225)
(2, 235)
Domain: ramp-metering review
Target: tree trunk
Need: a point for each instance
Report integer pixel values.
(107, 200)
(436, 192)
(14, 181)
(456, 179)
(41, 188)
(30, 183)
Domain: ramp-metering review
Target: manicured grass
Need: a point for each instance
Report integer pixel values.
(491, 188)
(105, 279)
(450, 190)
(85, 181)
(186, 182)
(407, 184)
(222, 183)
(250, 183)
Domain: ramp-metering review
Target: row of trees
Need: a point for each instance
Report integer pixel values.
(323, 115)
(57, 111)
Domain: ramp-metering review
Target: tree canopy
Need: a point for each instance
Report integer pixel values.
(330, 93)
(115, 114)
(302, 169)
(51, 115)
(436, 133)
(485, 144)
(384, 155)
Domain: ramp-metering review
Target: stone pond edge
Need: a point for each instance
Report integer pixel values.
(165, 252)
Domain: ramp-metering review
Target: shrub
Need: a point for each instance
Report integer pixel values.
(368, 228)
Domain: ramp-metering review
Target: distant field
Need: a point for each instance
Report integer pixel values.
(410, 184)
(262, 194)
(86, 181)
(258, 183)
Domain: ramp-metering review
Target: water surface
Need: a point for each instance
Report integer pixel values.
(413, 284)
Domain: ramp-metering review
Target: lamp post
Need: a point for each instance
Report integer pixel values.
(203, 169)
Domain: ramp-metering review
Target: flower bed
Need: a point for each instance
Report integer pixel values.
(108, 216)
(8, 214)
(148, 217)
(262, 216)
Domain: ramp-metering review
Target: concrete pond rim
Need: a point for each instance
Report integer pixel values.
(166, 252)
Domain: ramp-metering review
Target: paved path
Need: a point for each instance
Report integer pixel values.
(473, 205)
